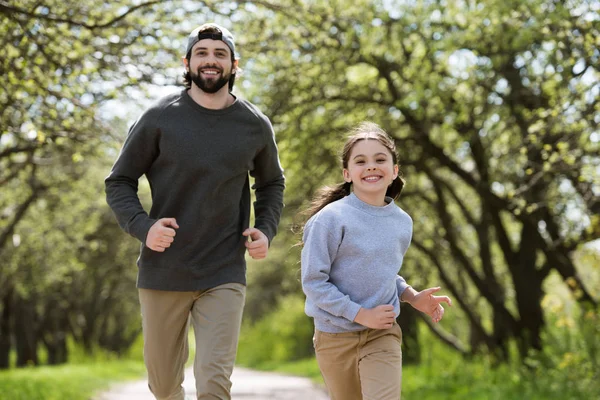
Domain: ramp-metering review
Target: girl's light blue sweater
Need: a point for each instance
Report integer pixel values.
(351, 257)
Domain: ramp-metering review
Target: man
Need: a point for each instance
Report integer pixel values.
(197, 147)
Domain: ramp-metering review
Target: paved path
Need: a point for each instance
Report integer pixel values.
(247, 385)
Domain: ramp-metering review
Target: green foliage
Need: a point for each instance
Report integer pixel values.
(494, 110)
(566, 368)
(481, 378)
(64, 274)
(285, 334)
(274, 278)
(493, 107)
(79, 281)
(571, 354)
(307, 367)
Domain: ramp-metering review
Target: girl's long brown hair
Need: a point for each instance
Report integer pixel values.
(329, 194)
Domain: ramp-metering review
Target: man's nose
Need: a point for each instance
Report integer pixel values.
(211, 59)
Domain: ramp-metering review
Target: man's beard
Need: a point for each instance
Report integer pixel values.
(210, 85)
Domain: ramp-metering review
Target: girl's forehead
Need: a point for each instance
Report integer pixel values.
(369, 146)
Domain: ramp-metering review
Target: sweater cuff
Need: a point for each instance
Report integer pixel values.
(351, 311)
(140, 229)
(268, 233)
(401, 285)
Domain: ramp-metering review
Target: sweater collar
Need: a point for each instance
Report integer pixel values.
(388, 209)
(188, 100)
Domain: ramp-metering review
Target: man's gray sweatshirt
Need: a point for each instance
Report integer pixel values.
(351, 257)
(197, 162)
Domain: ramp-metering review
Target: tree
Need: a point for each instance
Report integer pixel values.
(493, 106)
(60, 62)
(50, 96)
(494, 109)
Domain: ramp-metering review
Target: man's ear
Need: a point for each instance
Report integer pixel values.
(186, 63)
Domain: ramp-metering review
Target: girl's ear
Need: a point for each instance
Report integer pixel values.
(346, 174)
(396, 169)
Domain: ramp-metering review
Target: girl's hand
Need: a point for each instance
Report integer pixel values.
(380, 317)
(429, 304)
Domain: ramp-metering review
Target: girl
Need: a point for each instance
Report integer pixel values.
(354, 243)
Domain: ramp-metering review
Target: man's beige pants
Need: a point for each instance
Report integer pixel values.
(365, 365)
(216, 315)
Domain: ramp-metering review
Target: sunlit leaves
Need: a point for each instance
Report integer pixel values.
(493, 102)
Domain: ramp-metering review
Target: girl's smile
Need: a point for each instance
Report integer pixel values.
(372, 178)
(371, 170)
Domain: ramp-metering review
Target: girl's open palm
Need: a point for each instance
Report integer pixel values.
(429, 304)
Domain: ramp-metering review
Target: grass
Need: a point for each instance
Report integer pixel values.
(71, 381)
(473, 380)
(441, 375)
(82, 379)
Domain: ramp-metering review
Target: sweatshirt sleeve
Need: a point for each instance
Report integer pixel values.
(401, 285)
(121, 186)
(319, 251)
(269, 184)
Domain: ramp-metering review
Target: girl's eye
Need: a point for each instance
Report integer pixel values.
(360, 162)
(381, 160)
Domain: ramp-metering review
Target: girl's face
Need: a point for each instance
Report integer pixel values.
(371, 170)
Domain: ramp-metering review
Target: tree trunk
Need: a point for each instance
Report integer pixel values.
(26, 340)
(411, 352)
(57, 348)
(5, 331)
(53, 332)
(527, 280)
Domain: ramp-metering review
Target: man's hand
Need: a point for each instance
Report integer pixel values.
(258, 247)
(161, 234)
(426, 302)
(380, 317)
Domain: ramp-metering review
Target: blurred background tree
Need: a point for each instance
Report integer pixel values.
(66, 271)
(493, 105)
(494, 108)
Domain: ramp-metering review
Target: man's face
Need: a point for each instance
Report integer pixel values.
(210, 65)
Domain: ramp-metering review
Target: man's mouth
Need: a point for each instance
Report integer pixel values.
(210, 71)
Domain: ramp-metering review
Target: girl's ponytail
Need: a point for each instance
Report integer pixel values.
(324, 196)
(327, 195)
(395, 187)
